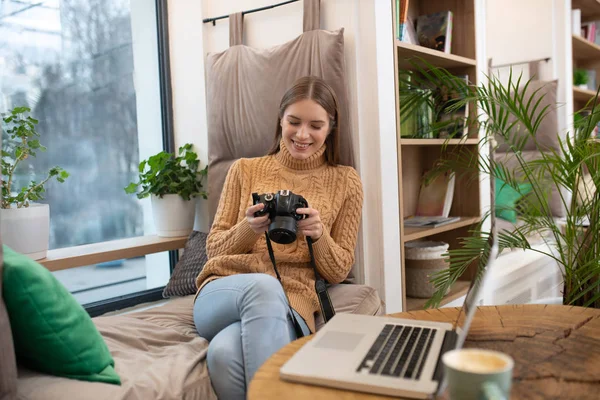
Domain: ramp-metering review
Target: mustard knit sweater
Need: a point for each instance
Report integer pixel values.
(233, 247)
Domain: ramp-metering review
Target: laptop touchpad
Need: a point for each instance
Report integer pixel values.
(336, 340)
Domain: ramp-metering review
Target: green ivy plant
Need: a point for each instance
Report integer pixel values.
(164, 173)
(22, 143)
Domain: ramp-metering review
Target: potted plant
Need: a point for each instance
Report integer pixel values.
(25, 224)
(173, 184)
(580, 78)
(574, 241)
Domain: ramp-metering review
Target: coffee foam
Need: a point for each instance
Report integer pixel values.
(477, 362)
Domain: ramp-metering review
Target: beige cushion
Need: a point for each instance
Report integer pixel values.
(244, 88)
(157, 353)
(8, 367)
(353, 299)
(512, 163)
(547, 134)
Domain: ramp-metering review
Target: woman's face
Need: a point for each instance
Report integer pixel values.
(304, 128)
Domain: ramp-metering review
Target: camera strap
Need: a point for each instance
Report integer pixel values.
(327, 310)
(297, 327)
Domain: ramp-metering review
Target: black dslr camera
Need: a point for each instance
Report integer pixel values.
(281, 208)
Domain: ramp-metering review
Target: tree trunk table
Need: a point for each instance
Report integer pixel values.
(556, 351)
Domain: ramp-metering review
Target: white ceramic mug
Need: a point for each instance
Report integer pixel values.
(478, 374)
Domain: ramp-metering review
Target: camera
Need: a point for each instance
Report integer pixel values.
(281, 208)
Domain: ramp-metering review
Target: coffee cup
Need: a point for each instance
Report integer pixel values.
(477, 374)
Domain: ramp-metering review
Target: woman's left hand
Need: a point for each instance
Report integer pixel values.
(311, 225)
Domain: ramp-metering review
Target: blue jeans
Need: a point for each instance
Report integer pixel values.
(246, 319)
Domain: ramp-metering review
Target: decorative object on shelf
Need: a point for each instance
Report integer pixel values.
(436, 195)
(435, 31)
(408, 120)
(24, 223)
(516, 120)
(173, 183)
(580, 78)
(453, 114)
(423, 260)
(439, 112)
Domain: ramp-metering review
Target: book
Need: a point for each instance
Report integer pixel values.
(435, 31)
(428, 222)
(576, 21)
(454, 120)
(402, 15)
(435, 198)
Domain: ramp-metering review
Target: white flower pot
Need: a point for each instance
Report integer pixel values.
(173, 216)
(26, 230)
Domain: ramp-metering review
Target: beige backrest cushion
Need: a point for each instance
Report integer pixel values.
(547, 135)
(245, 86)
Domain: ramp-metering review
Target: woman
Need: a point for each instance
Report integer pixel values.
(241, 308)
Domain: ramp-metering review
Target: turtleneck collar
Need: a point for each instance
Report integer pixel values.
(312, 162)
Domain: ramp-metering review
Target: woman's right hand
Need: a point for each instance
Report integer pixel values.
(258, 224)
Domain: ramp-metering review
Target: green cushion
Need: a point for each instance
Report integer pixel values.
(507, 198)
(52, 332)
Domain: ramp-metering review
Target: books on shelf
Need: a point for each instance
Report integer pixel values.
(453, 119)
(428, 222)
(435, 198)
(576, 21)
(435, 31)
(405, 29)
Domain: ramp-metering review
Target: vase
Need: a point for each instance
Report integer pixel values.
(173, 216)
(26, 230)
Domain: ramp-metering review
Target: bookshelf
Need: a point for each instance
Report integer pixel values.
(438, 142)
(586, 54)
(582, 95)
(458, 290)
(590, 9)
(415, 155)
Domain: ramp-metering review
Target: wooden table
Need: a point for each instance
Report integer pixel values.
(556, 351)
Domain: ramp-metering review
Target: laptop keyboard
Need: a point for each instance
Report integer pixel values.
(399, 351)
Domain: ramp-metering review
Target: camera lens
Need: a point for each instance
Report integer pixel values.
(283, 230)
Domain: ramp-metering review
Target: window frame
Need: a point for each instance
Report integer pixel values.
(166, 100)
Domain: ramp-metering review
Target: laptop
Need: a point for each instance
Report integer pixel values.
(383, 355)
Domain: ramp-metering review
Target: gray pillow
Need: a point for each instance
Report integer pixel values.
(547, 134)
(183, 279)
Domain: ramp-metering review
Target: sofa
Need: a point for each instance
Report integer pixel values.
(157, 352)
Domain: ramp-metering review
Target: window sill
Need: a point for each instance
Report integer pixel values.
(79, 256)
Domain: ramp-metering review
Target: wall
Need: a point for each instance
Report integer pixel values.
(515, 37)
(369, 67)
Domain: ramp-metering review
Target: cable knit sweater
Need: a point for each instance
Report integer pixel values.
(233, 247)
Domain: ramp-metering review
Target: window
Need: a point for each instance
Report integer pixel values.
(90, 70)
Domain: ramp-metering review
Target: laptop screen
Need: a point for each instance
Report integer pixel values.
(463, 321)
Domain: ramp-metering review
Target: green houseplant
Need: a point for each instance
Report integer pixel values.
(25, 224)
(173, 182)
(580, 78)
(503, 110)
